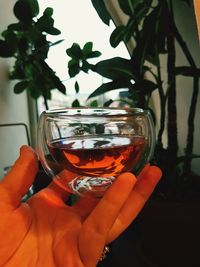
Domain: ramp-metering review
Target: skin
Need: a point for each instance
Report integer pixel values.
(197, 14)
(44, 231)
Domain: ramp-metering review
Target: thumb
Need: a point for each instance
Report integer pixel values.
(17, 182)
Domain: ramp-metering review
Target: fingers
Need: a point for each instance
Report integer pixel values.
(94, 231)
(144, 187)
(18, 181)
(59, 185)
(84, 206)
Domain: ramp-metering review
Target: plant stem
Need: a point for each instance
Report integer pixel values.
(172, 111)
(191, 116)
(46, 103)
(184, 47)
(190, 136)
(162, 102)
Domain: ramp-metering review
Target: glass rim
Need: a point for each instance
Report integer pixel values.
(95, 111)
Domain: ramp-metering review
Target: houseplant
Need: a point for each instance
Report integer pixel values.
(26, 42)
(152, 27)
(169, 223)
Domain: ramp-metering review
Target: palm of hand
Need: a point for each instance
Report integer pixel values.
(43, 232)
(46, 232)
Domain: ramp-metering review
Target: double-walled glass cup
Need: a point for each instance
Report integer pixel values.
(85, 149)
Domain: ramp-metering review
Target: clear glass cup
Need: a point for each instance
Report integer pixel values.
(85, 149)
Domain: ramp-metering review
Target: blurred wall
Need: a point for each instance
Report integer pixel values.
(13, 108)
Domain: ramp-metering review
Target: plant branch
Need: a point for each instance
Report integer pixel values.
(172, 110)
(184, 46)
(46, 103)
(190, 136)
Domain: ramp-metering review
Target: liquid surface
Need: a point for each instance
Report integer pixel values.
(98, 156)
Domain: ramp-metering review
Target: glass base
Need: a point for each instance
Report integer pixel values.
(94, 186)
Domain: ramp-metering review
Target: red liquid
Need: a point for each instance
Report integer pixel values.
(98, 156)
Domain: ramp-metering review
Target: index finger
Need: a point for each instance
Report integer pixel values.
(17, 182)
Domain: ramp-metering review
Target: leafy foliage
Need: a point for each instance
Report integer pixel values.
(26, 41)
(101, 9)
(79, 58)
(152, 26)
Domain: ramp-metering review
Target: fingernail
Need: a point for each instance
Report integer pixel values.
(156, 172)
(25, 148)
(144, 170)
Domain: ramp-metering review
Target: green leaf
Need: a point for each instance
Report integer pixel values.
(155, 30)
(46, 23)
(48, 12)
(34, 7)
(108, 103)
(139, 56)
(85, 66)
(94, 54)
(101, 10)
(107, 87)
(34, 91)
(10, 36)
(47, 94)
(76, 86)
(56, 43)
(128, 6)
(117, 35)
(15, 27)
(115, 68)
(23, 44)
(20, 87)
(88, 53)
(94, 104)
(23, 11)
(58, 84)
(41, 45)
(75, 103)
(73, 62)
(145, 86)
(87, 47)
(53, 31)
(18, 72)
(73, 68)
(5, 50)
(48, 79)
(75, 51)
(10, 39)
(142, 9)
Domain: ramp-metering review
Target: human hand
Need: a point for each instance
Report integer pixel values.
(44, 231)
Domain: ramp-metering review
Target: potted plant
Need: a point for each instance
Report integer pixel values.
(175, 203)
